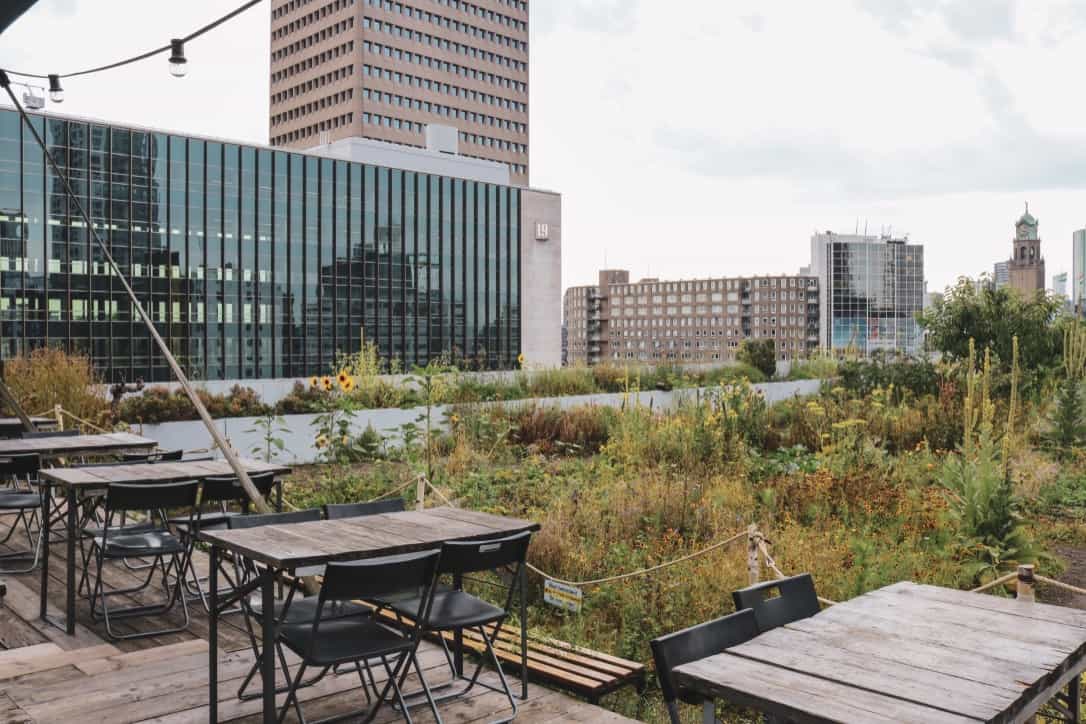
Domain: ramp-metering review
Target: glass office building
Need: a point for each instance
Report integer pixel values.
(253, 262)
(872, 292)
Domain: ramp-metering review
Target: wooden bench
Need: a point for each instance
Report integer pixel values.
(581, 671)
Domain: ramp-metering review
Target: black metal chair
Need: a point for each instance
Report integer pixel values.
(156, 543)
(691, 644)
(219, 493)
(339, 511)
(455, 610)
(290, 609)
(23, 501)
(156, 456)
(48, 433)
(796, 599)
(359, 640)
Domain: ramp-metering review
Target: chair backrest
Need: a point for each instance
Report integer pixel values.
(697, 642)
(227, 488)
(54, 433)
(239, 522)
(153, 457)
(335, 511)
(797, 599)
(380, 578)
(151, 496)
(21, 465)
(484, 555)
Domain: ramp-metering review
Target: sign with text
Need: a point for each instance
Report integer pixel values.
(562, 596)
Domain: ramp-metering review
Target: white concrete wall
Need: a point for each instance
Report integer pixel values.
(541, 279)
(243, 435)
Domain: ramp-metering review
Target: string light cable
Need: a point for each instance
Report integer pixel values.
(176, 48)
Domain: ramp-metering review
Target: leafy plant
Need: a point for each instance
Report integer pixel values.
(270, 426)
(760, 354)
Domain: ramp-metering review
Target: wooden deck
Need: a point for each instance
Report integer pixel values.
(47, 676)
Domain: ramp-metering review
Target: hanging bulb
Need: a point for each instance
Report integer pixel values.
(56, 93)
(179, 66)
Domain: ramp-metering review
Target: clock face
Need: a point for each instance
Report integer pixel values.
(1023, 232)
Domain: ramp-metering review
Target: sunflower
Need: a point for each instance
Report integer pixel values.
(321, 442)
(326, 383)
(520, 359)
(347, 385)
(313, 381)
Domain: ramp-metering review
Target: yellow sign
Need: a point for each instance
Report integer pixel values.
(562, 596)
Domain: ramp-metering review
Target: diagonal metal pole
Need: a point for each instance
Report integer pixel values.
(243, 477)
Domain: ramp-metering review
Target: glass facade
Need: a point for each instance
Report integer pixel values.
(875, 291)
(253, 262)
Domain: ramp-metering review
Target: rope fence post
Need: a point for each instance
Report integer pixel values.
(1025, 583)
(420, 492)
(58, 412)
(753, 564)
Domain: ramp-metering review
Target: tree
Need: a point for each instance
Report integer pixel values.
(993, 318)
(760, 354)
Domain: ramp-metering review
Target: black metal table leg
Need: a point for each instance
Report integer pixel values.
(46, 494)
(1074, 698)
(73, 517)
(458, 634)
(267, 654)
(213, 639)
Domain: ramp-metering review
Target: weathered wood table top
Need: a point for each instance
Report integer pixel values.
(159, 472)
(13, 425)
(904, 653)
(306, 544)
(54, 446)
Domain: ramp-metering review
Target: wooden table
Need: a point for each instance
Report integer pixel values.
(905, 653)
(88, 482)
(13, 426)
(289, 547)
(73, 445)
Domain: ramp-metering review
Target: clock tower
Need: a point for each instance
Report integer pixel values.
(1026, 265)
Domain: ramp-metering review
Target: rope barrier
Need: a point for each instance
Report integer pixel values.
(773, 565)
(642, 571)
(997, 582)
(1059, 584)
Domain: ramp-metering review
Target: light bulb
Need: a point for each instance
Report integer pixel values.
(56, 93)
(179, 65)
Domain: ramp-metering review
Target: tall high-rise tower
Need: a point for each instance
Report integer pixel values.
(1027, 266)
(385, 70)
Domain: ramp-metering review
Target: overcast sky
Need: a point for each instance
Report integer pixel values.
(700, 137)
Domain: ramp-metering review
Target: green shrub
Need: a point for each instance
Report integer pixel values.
(760, 354)
(158, 404)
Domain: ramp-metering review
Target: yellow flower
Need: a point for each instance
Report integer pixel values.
(326, 383)
(313, 381)
(322, 442)
(347, 385)
(520, 359)
(346, 440)
(454, 419)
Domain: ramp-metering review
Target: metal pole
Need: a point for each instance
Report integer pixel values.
(239, 470)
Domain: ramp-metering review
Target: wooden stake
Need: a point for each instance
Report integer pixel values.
(753, 564)
(9, 400)
(1025, 591)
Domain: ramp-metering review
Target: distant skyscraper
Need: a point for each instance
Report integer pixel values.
(1078, 273)
(1027, 266)
(385, 70)
(1001, 274)
(872, 289)
(1059, 284)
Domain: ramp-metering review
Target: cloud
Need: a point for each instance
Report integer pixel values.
(755, 22)
(597, 16)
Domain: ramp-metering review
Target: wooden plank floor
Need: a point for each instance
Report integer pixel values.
(47, 676)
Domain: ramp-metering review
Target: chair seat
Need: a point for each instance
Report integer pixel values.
(19, 501)
(117, 530)
(451, 609)
(149, 543)
(343, 639)
(304, 609)
(208, 521)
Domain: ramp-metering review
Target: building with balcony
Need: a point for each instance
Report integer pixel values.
(697, 321)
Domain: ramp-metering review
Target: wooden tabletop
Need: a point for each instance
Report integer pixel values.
(318, 542)
(159, 472)
(9, 422)
(76, 444)
(904, 653)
